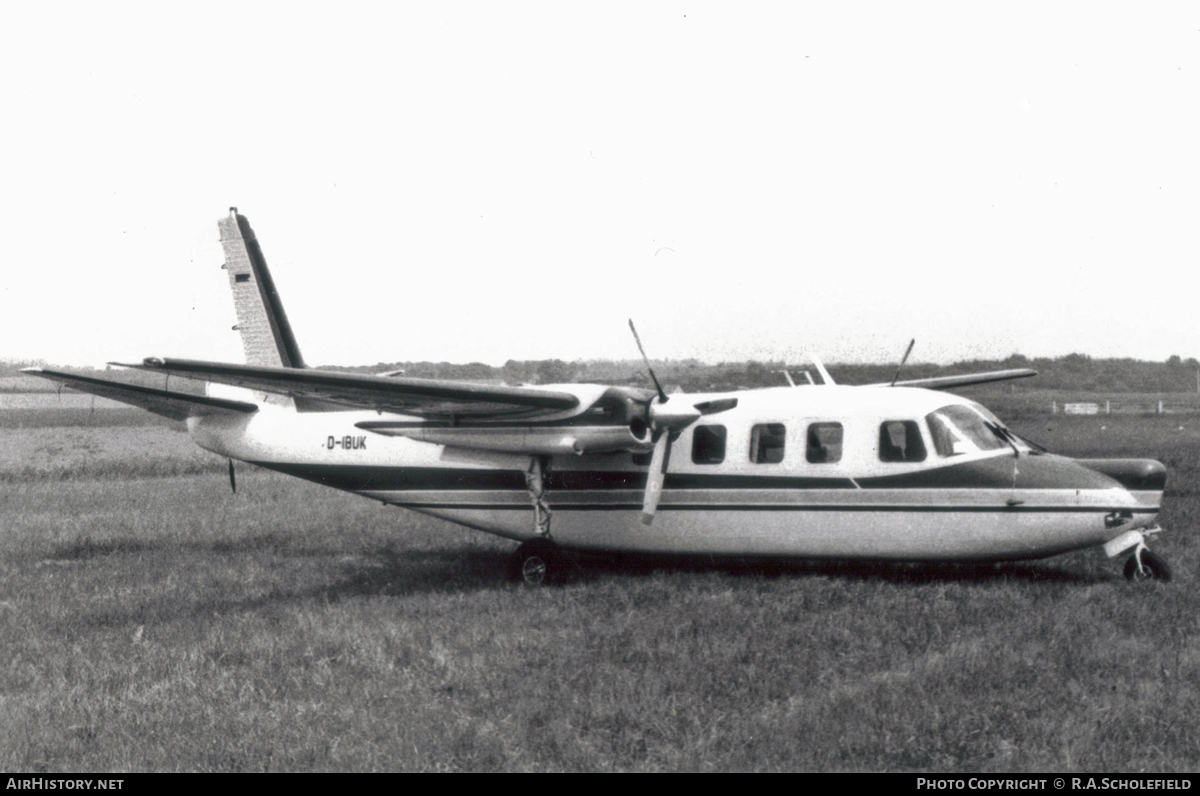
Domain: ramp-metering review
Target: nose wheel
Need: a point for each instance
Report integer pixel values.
(1145, 564)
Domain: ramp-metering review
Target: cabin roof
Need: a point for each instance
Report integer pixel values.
(835, 400)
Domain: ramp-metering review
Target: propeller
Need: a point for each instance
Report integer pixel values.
(666, 423)
(232, 478)
(904, 359)
(662, 396)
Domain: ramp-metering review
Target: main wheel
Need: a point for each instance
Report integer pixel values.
(537, 563)
(1154, 567)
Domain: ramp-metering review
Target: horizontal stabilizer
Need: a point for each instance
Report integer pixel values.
(965, 380)
(175, 405)
(428, 397)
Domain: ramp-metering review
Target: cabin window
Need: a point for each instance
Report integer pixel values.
(708, 444)
(958, 429)
(824, 443)
(767, 442)
(900, 441)
(242, 278)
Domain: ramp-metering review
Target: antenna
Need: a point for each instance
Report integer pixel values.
(820, 366)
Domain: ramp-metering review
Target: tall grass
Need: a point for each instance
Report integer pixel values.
(71, 453)
(49, 415)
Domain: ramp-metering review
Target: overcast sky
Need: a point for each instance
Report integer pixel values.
(485, 181)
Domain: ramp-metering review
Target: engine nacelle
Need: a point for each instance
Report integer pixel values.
(534, 440)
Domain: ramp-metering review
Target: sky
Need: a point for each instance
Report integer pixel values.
(462, 182)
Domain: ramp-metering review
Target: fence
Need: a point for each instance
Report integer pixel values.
(1134, 407)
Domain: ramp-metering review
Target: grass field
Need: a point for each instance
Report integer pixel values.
(151, 620)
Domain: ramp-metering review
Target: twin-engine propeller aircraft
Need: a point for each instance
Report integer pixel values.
(893, 471)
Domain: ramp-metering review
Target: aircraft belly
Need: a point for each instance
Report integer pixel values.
(870, 524)
(899, 524)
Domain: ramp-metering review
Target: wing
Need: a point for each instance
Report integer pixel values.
(966, 380)
(175, 405)
(430, 398)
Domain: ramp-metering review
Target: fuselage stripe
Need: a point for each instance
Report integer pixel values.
(782, 507)
(975, 475)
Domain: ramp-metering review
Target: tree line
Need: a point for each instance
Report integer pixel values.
(1073, 372)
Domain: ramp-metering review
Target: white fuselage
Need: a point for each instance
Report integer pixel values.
(797, 501)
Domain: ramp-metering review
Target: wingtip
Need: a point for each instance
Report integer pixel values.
(31, 370)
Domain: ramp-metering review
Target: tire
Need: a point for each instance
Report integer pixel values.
(537, 563)
(1154, 565)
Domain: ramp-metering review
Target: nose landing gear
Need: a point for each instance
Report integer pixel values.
(1143, 564)
(1151, 566)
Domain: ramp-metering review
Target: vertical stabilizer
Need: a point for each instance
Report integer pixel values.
(266, 334)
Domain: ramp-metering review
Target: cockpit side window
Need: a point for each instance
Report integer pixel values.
(824, 444)
(958, 429)
(900, 441)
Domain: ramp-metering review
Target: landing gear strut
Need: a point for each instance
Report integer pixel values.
(535, 482)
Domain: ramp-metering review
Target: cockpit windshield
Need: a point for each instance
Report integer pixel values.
(958, 429)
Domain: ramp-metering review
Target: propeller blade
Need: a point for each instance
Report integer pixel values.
(656, 476)
(662, 396)
(904, 359)
(232, 478)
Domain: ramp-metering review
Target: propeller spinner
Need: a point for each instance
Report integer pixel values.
(666, 423)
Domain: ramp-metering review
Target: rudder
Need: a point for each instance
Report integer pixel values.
(266, 334)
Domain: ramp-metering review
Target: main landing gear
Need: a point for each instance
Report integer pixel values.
(538, 563)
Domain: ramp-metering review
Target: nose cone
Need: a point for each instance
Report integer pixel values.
(1049, 471)
(1142, 479)
(1136, 475)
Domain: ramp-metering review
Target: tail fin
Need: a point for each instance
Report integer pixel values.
(266, 334)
